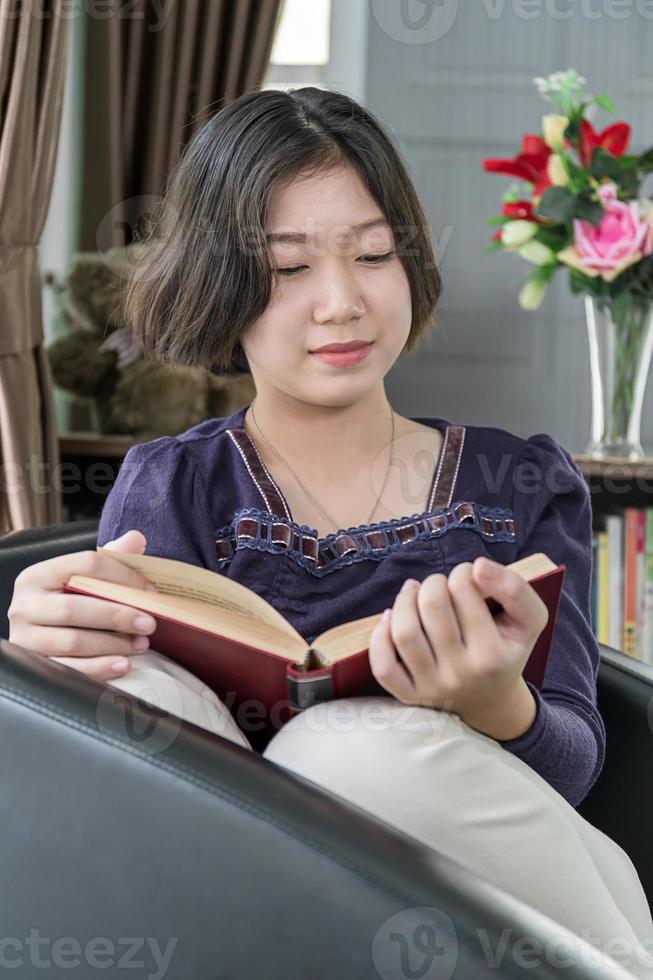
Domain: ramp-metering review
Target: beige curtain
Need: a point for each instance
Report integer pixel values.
(153, 76)
(33, 37)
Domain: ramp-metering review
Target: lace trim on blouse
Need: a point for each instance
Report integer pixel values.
(262, 531)
(273, 530)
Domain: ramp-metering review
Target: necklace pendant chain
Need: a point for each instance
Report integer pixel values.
(305, 489)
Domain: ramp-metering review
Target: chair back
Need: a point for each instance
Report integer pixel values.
(621, 801)
(178, 849)
(18, 549)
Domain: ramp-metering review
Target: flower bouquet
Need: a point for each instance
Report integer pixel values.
(582, 209)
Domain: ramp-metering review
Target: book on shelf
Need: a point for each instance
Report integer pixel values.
(601, 577)
(614, 527)
(593, 587)
(623, 582)
(631, 528)
(647, 604)
(244, 649)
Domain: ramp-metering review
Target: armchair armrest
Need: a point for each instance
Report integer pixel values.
(620, 803)
(119, 820)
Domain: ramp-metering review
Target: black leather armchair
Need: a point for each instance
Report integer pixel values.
(131, 837)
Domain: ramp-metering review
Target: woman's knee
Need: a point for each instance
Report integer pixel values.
(174, 690)
(356, 732)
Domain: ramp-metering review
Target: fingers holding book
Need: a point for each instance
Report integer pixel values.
(89, 634)
(442, 647)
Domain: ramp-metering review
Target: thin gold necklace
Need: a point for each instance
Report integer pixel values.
(308, 493)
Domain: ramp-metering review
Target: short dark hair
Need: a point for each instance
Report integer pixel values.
(204, 274)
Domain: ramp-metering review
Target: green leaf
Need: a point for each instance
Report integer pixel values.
(604, 164)
(493, 247)
(573, 127)
(587, 210)
(628, 162)
(500, 219)
(620, 306)
(576, 176)
(580, 283)
(629, 185)
(605, 103)
(646, 160)
(544, 273)
(556, 237)
(511, 193)
(556, 204)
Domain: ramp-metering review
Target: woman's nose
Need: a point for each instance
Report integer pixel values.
(339, 298)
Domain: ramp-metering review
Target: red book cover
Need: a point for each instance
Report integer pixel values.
(264, 689)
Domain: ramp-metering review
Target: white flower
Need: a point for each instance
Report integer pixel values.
(531, 294)
(557, 81)
(553, 129)
(536, 252)
(556, 171)
(517, 232)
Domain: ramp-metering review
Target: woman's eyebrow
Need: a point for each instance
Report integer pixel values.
(297, 236)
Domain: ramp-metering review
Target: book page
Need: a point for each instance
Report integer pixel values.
(178, 578)
(222, 622)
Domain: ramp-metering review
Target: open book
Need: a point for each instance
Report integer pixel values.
(246, 651)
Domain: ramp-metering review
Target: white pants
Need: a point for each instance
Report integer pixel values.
(429, 774)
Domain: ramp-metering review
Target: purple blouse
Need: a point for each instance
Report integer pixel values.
(205, 497)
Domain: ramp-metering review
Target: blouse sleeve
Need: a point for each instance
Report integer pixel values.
(160, 492)
(553, 513)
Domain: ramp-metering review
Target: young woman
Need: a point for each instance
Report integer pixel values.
(291, 244)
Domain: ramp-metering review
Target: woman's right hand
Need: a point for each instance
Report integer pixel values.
(93, 635)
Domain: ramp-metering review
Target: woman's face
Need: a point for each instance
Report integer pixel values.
(332, 287)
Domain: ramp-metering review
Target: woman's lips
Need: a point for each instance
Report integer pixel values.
(342, 358)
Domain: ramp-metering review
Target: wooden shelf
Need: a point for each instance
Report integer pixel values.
(95, 445)
(615, 467)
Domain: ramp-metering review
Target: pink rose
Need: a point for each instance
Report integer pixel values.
(622, 238)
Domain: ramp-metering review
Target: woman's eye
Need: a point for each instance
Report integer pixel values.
(377, 259)
(371, 260)
(289, 271)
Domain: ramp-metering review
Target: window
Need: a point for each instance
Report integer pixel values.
(322, 43)
(301, 48)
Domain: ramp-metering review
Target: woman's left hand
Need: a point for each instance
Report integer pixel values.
(455, 654)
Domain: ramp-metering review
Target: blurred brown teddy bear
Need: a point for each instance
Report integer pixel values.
(99, 359)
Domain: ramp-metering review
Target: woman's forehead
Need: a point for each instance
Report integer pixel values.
(340, 194)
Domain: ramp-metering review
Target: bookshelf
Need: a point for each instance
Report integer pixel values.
(89, 467)
(621, 494)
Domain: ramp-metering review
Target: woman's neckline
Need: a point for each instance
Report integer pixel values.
(441, 488)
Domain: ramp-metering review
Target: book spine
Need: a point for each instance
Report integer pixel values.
(594, 586)
(602, 587)
(629, 639)
(614, 527)
(306, 688)
(640, 580)
(647, 653)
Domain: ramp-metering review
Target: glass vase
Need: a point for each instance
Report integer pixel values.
(620, 360)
